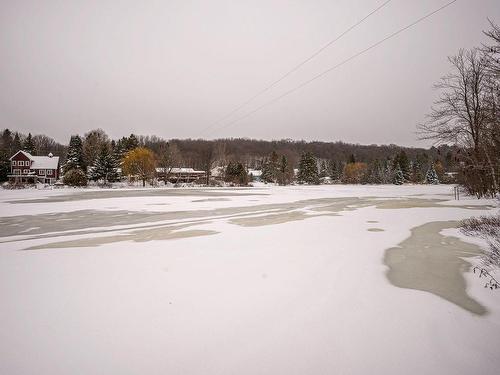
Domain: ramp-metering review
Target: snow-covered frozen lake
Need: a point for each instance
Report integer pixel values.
(264, 280)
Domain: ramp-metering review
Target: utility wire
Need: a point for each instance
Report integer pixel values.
(272, 101)
(296, 67)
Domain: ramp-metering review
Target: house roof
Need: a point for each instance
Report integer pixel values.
(27, 154)
(40, 162)
(255, 172)
(179, 170)
(45, 162)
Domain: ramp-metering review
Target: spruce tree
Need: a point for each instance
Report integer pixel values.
(74, 158)
(398, 176)
(132, 142)
(431, 176)
(334, 170)
(270, 168)
(236, 173)
(404, 164)
(7, 143)
(416, 173)
(104, 167)
(285, 172)
(373, 174)
(4, 165)
(323, 169)
(28, 144)
(308, 169)
(16, 143)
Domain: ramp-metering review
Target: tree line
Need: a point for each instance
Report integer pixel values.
(96, 157)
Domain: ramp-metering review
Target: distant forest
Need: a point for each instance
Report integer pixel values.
(252, 154)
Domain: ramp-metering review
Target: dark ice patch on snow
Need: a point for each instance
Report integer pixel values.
(431, 262)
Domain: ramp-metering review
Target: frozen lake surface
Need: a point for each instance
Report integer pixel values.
(264, 280)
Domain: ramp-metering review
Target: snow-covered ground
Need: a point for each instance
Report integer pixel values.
(264, 280)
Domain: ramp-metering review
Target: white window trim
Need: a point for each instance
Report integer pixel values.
(49, 172)
(26, 171)
(13, 163)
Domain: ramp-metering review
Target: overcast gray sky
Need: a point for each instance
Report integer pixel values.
(172, 68)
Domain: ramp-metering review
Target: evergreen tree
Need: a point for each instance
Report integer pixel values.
(75, 177)
(416, 173)
(4, 165)
(404, 165)
(386, 173)
(28, 144)
(285, 172)
(16, 143)
(236, 173)
(119, 149)
(398, 176)
(132, 142)
(373, 174)
(352, 159)
(323, 169)
(431, 176)
(334, 170)
(308, 169)
(104, 167)
(270, 168)
(74, 158)
(6, 145)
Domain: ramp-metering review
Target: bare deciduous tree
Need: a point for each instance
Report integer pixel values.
(169, 157)
(462, 116)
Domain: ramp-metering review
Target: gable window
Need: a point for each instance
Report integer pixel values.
(13, 163)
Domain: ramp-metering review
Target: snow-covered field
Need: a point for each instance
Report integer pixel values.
(264, 280)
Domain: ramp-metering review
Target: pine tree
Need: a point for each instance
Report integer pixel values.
(352, 159)
(119, 150)
(236, 173)
(373, 174)
(28, 144)
(16, 143)
(334, 170)
(431, 176)
(308, 169)
(416, 173)
(270, 168)
(132, 142)
(285, 172)
(6, 145)
(104, 167)
(398, 176)
(4, 165)
(387, 172)
(404, 165)
(323, 169)
(74, 158)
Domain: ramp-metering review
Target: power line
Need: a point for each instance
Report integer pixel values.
(298, 87)
(296, 67)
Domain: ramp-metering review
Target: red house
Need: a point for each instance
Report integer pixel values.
(26, 168)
